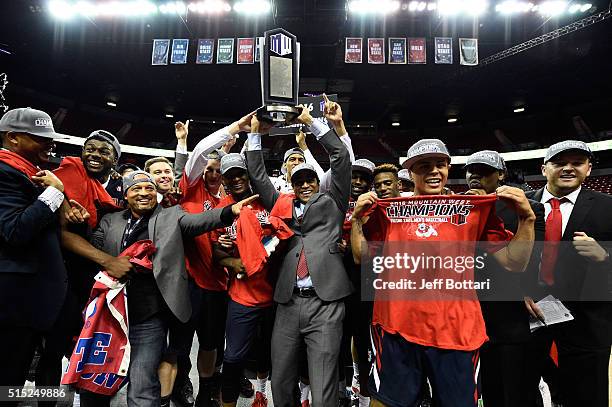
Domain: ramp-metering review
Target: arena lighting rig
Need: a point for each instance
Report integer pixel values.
(546, 8)
(67, 10)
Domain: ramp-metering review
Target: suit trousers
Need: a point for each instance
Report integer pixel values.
(318, 324)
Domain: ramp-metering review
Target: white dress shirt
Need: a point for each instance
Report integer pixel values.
(566, 207)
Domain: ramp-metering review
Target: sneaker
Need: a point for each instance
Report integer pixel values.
(306, 403)
(355, 384)
(215, 390)
(183, 395)
(260, 400)
(246, 388)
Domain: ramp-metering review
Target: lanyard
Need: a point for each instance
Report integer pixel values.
(129, 228)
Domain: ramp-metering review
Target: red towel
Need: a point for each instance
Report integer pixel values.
(84, 189)
(18, 162)
(101, 357)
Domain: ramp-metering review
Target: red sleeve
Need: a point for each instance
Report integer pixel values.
(375, 229)
(495, 236)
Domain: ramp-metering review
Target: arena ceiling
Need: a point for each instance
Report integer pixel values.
(89, 62)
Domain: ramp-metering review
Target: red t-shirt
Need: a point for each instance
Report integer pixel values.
(445, 323)
(257, 288)
(198, 251)
(346, 227)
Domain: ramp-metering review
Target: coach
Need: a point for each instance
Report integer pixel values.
(32, 274)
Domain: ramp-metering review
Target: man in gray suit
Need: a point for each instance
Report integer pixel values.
(157, 299)
(312, 280)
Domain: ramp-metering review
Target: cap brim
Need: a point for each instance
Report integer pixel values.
(302, 170)
(580, 150)
(484, 163)
(362, 169)
(233, 166)
(53, 135)
(409, 162)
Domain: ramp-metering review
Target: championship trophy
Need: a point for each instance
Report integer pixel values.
(280, 77)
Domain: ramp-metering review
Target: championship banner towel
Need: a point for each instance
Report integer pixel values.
(443, 50)
(416, 51)
(159, 55)
(468, 50)
(245, 48)
(397, 50)
(179, 51)
(353, 50)
(376, 50)
(101, 357)
(205, 51)
(421, 226)
(225, 51)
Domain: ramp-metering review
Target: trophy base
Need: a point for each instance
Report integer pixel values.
(278, 114)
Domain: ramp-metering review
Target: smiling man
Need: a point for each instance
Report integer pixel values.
(438, 338)
(312, 279)
(32, 273)
(158, 299)
(577, 272)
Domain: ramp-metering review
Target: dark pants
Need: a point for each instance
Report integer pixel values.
(17, 345)
(245, 327)
(507, 375)
(319, 325)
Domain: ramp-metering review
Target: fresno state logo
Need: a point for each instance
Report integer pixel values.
(424, 230)
(208, 205)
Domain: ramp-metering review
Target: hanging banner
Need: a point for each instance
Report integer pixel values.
(397, 50)
(443, 50)
(353, 50)
(159, 55)
(245, 49)
(205, 51)
(376, 50)
(416, 51)
(468, 51)
(179, 51)
(258, 47)
(225, 51)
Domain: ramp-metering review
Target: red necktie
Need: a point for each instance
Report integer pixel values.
(302, 267)
(554, 227)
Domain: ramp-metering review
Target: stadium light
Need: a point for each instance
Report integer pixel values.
(452, 120)
(373, 6)
(169, 115)
(519, 110)
(61, 10)
(552, 8)
(209, 7)
(252, 7)
(513, 7)
(471, 7)
(173, 7)
(586, 7)
(111, 104)
(395, 124)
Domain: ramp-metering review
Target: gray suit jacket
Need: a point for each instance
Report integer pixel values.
(321, 227)
(166, 229)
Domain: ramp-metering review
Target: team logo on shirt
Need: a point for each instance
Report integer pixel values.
(262, 217)
(349, 212)
(425, 230)
(208, 205)
(427, 211)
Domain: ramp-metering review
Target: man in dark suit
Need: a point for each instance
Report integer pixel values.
(505, 359)
(32, 274)
(312, 280)
(577, 272)
(159, 299)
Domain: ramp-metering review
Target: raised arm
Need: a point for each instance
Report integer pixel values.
(515, 256)
(300, 139)
(199, 223)
(257, 169)
(196, 164)
(180, 156)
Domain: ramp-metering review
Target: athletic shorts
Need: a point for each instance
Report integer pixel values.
(401, 366)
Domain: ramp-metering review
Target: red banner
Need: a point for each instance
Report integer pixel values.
(416, 51)
(353, 51)
(245, 49)
(376, 50)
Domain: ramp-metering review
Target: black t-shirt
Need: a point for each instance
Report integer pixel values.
(144, 297)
